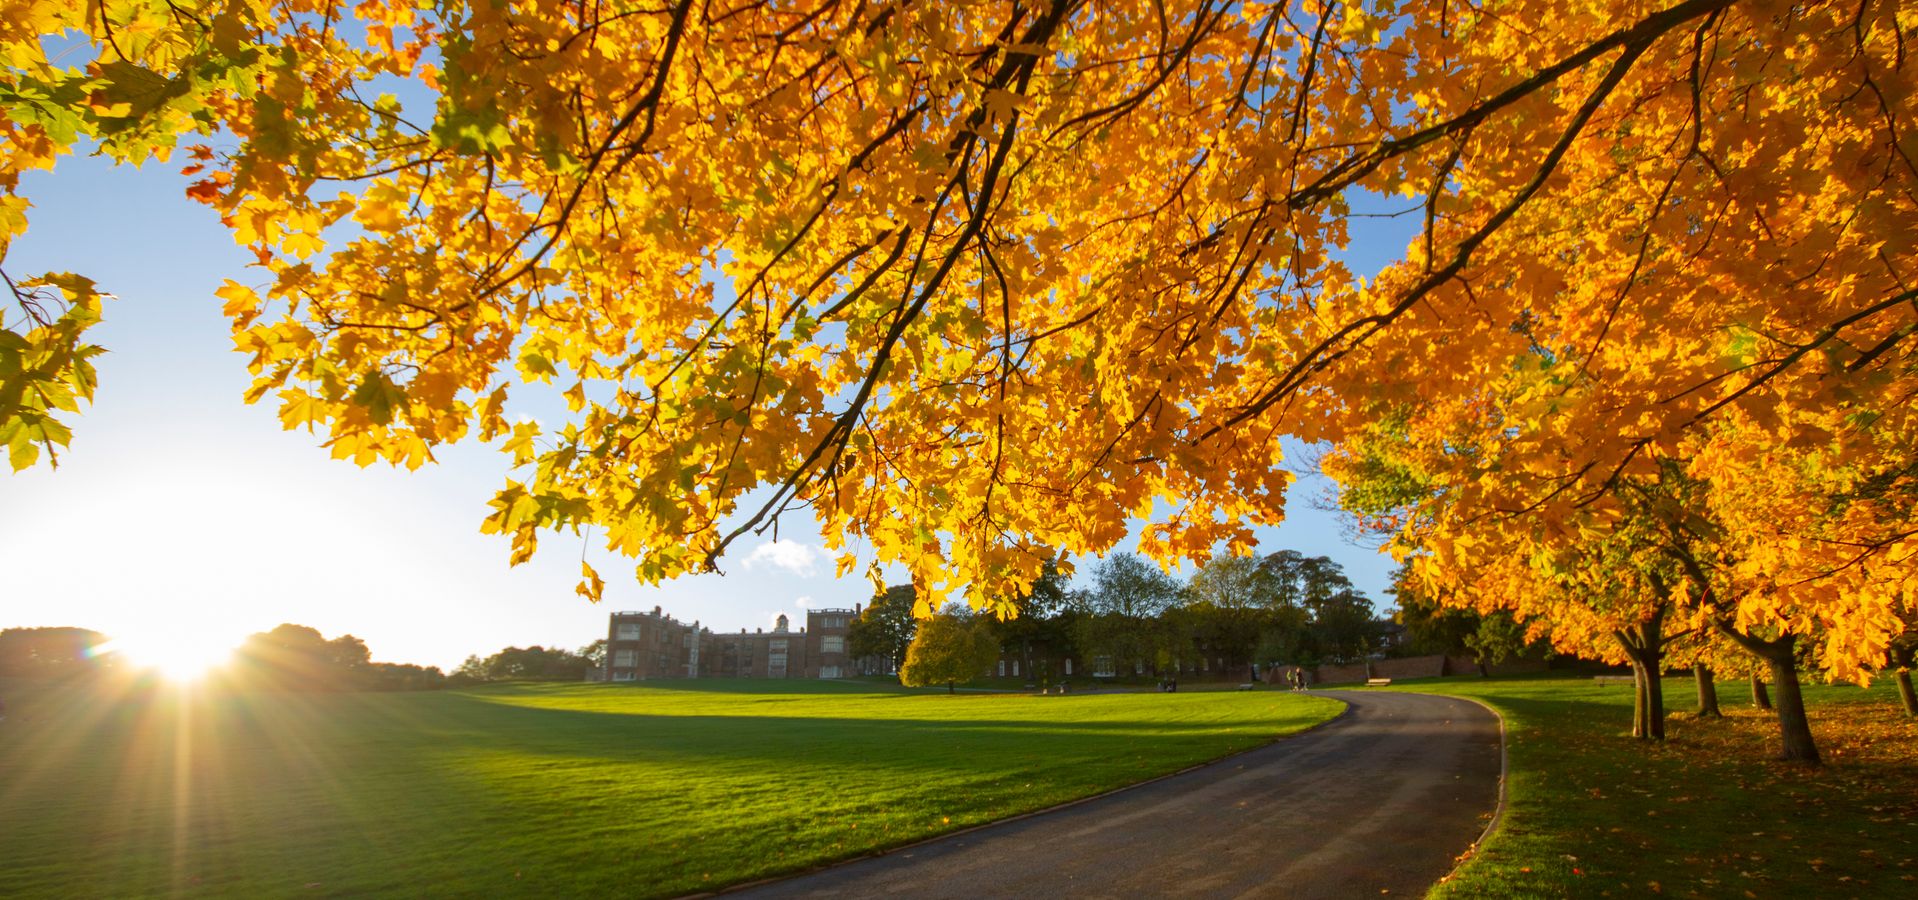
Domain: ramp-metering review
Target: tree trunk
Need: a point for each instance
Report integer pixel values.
(1760, 697)
(1641, 726)
(1901, 659)
(1648, 698)
(1707, 691)
(1644, 645)
(1794, 730)
(1654, 689)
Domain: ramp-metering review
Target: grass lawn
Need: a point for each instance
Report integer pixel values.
(554, 789)
(1593, 813)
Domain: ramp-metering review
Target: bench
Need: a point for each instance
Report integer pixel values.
(1602, 680)
(1246, 686)
(1377, 682)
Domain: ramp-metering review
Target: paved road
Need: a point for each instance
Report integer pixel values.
(1382, 799)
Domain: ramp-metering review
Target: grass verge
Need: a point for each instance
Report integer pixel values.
(1590, 812)
(554, 789)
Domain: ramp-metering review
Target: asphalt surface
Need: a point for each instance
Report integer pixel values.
(1380, 801)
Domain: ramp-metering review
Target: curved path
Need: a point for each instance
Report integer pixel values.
(1382, 799)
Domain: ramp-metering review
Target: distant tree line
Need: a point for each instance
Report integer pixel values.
(1283, 608)
(298, 658)
(534, 663)
(56, 652)
(294, 658)
(1133, 618)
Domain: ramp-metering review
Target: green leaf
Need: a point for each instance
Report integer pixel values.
(379, 396)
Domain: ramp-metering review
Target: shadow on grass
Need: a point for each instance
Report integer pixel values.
(485, 792)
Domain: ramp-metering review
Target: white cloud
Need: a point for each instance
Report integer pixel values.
(791, 556)
(803, 601)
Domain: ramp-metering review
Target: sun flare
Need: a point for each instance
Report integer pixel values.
(176, 657)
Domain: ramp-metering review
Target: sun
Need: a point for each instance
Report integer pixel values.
(176, 657)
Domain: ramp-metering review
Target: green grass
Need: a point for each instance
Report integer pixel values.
(1593, 813)
(554, 789)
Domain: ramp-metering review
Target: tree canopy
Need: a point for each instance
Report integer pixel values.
(949, 647)
(298, 658)
(972, 287)
(884, 629)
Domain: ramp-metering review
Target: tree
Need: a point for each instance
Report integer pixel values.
(1116, 616)
(381, 676)
(1034, 617)
(1230, 634)
(1602, 588)
(1497, 638)
(1232, 582)
(535, 663)
(299, 658)
(950, 647)
(974, 290)
(1902, 654)
(1431, 626)
(594, 655)
(472, 669)
(1345, 626)
(884, 629)
(49, 652)
(1126, 585)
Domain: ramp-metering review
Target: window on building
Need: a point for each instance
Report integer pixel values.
(1015, 668)
(1103, 666)
(1002, 668)
(1068, 665)
(627, 631)
(1138, 667)
(625, 659)
(776, 659)
(832, 644)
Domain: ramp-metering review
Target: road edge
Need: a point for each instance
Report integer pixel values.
(1344, 711)
(1498, 809)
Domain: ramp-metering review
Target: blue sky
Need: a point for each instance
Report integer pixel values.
(181, 510)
